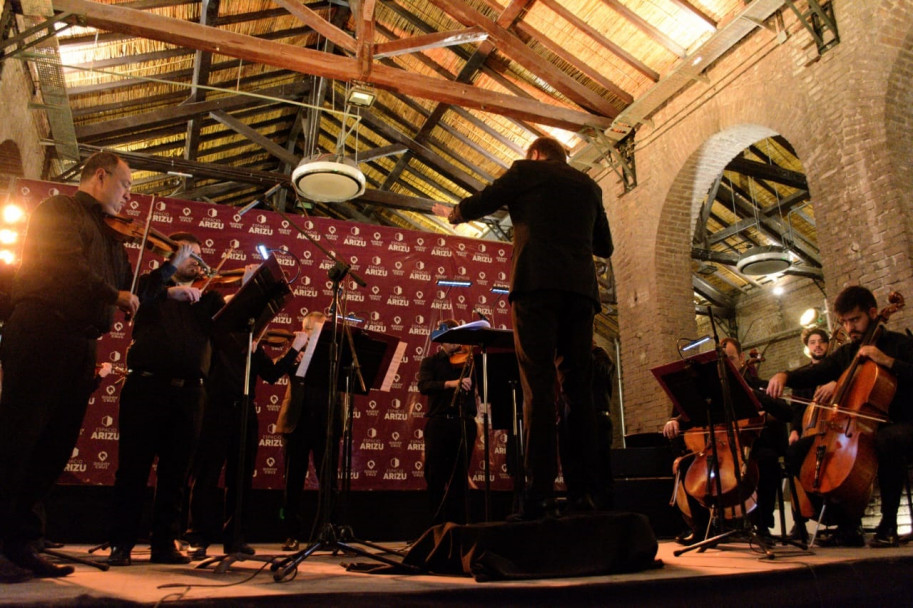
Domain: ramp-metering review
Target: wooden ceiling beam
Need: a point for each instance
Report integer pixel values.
(267, 144)
(597, 37)
(774, 173)
(308, 61)
(694, 10)
(513, 47)
(424, 42)
(643, 25)
(315, 21)
(182, 113)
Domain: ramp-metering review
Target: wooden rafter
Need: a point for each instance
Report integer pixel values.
(307, 61)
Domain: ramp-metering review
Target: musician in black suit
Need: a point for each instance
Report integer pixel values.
(559, 224)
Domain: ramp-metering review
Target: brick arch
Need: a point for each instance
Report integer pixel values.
(11, 159)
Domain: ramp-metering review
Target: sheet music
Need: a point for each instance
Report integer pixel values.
(309, 349)
(394, 366)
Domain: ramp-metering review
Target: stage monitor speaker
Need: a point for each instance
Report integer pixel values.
(577, 545)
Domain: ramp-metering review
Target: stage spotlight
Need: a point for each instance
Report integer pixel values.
(13, 213)
(8, 237)
(7, 256)
(810, 318)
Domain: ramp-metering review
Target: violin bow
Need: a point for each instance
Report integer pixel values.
(215, 271)
(142, 246)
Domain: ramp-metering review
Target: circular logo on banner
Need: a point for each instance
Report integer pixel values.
(376, 236)
(482, 247)
(462, 271)
(107, 420)
(353, 260)
(395, 435)
(234, 244)
(418, 433)
(331, 229)
(418, 465)
(309, 225)
(420, 265)
(186, 211)
(481, 275)
(74, 453)
(376, 260)
(271, 429)
(372, 404)
(441, 242)
(420, 241)
(398, 236)
(261, 219)
(209, 243)
(274, 399)
(441, 271)
(372, 433)
(354, 231)
(134, 205)
(371, 464)
(270, 461)
(110, 389)
(398, 265)
(461, 246)
(284, 223)
(394, 463)
(236, 218)
(102, 456)
(483, 300)
(395, 403)
(419, 318)
(160, 206)
(397, 320)
(212, 212)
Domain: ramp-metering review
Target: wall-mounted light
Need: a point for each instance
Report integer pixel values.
(454, 283)
(500, 289)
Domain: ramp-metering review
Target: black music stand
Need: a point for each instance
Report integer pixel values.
(373, 359)
(480, 333)
(249, 312)
(708, 391)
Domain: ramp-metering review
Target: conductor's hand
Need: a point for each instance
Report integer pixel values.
(127, 302)
(184, 293)
(671, 429)
(301, 338)
(182, 255)
(776, 384)
(441, 209)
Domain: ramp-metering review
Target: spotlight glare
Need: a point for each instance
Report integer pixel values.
(8, 237)
(7, 256)
(13, 213)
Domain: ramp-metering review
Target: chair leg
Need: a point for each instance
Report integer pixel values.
(818, 524)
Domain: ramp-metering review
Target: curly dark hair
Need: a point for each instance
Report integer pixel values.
(852, 297)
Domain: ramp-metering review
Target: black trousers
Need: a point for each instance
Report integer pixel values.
(309, 437)
(213, 510)
(448, 449)
(894, 446)
(47, 380)
(556, 326)
(157, 420)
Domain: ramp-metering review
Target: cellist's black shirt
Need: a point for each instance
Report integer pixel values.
(891, 343)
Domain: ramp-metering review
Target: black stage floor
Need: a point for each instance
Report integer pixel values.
(730, 575)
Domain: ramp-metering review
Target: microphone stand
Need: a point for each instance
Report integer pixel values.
(331, 537)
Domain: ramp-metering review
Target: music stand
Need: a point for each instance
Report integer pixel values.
(374, 359)
(249, 312)
(708, 391)
(480, 333)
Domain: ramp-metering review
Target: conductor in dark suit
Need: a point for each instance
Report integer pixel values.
(559, 225)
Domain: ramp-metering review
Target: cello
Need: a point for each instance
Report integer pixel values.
(841, 463)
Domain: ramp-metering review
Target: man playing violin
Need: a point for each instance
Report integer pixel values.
(450, 431)
(161, 403)
(857, 309)
(73, 275)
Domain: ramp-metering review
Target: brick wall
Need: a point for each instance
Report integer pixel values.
(848, 115)
(20, 124)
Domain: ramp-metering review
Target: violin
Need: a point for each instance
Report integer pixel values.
(459, 356)
(132, 231)
(221, 278)
(277, 337)
(841, 463)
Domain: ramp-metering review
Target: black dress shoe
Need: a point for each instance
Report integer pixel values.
(885, 536)
(119, 556)
(11, 573)
(27, 556)
(844, 537)
(168, 555)
(291, 544)
(197, 552)
(243, 548)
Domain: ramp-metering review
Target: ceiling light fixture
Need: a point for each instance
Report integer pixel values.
(759, 261)
(328, 178)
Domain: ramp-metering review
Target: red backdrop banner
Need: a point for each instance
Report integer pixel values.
(402, 299)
